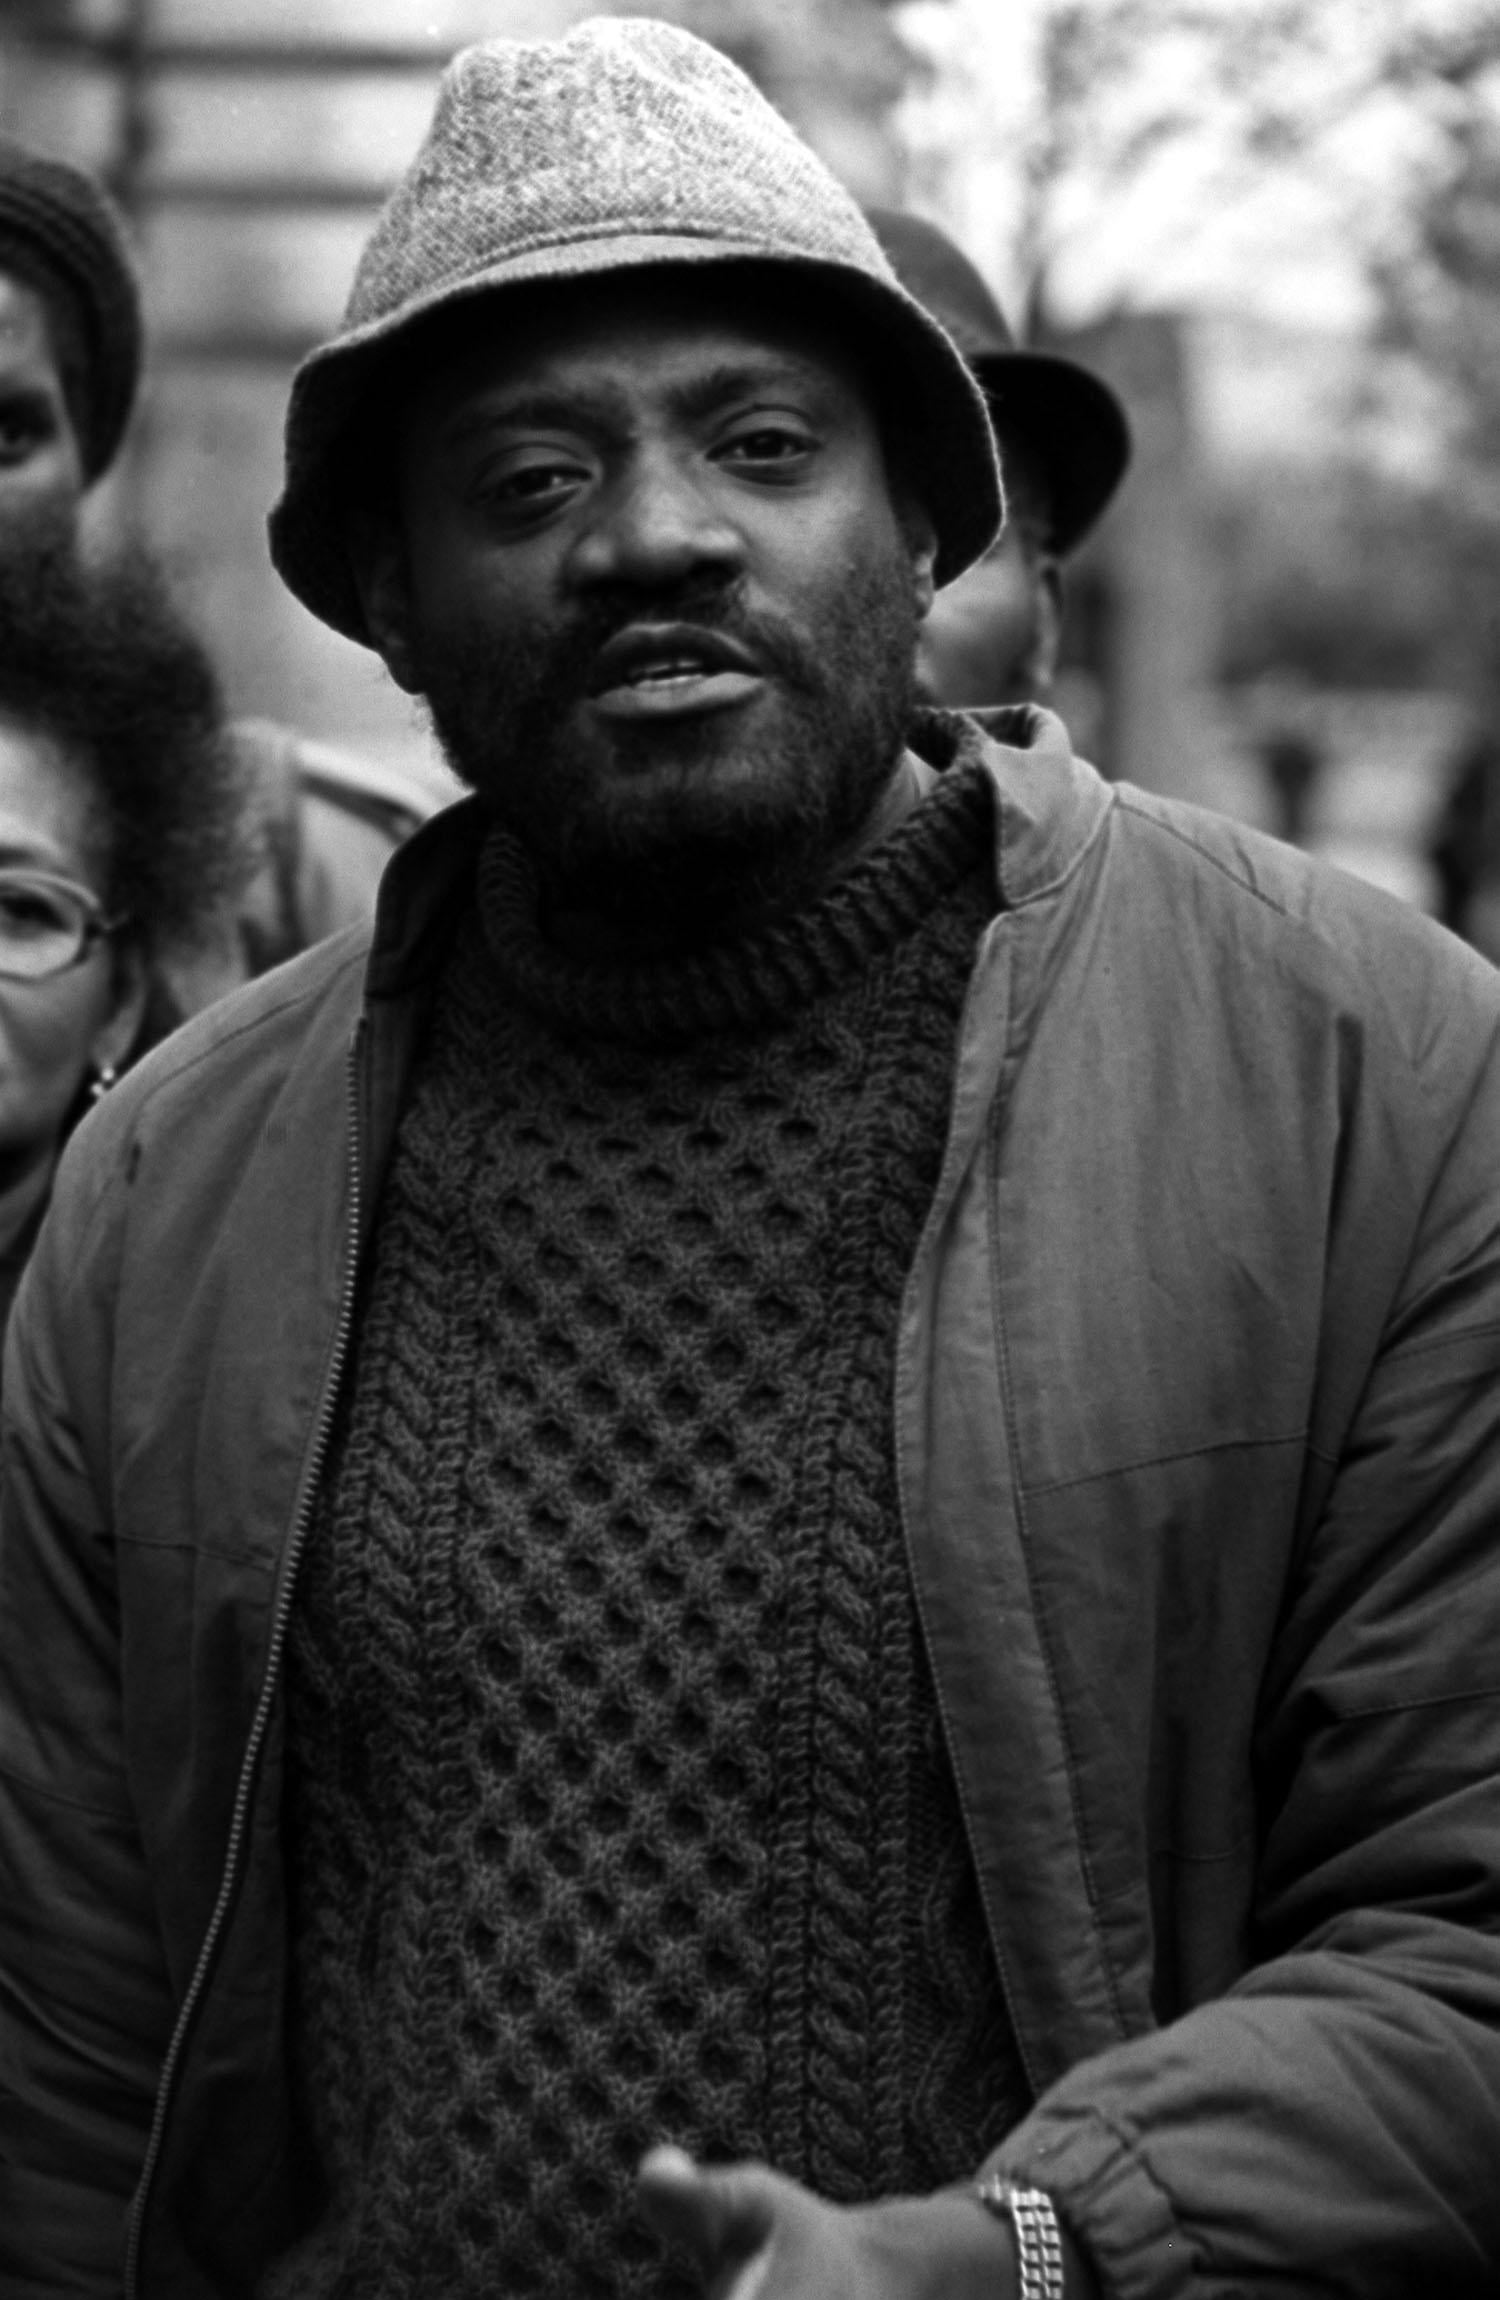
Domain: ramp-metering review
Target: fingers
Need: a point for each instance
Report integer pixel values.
(724, 2218)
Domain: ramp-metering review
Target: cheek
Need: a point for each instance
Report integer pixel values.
(51, 477)
(459, 576)
(820, 567)
(470, 605)
(38, 518)
(982, 626)
(993, 599)
(47, 1032)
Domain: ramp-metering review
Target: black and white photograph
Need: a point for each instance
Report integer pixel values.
(750, 1150)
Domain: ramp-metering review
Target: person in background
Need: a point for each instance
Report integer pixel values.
(120, 836)
(806, 1464)
(72, 347)
(992, 636)
(1293, 764)
(1464, 837)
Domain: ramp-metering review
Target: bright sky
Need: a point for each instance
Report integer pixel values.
(1185, 231)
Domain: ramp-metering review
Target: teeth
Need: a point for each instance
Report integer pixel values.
(647, 672)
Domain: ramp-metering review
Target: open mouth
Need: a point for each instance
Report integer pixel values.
(653, 672)
(669, 674)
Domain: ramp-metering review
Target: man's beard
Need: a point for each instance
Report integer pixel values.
(689, 859)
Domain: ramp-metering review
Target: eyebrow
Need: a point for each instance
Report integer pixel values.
(743, 378)
(545, 409)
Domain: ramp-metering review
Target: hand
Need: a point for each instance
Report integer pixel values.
(757, 2236)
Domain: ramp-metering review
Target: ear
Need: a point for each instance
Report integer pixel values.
(1047, 638)
(377, 561)
(923, 562)
(116, 1035)
(921, 538)
(917, 531)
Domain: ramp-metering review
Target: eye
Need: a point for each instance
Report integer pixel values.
(529, 484)
(25, 426)
(776, 449)
(32, 911)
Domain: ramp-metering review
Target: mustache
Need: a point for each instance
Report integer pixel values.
(563, 662)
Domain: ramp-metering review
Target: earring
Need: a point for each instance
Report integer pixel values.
(102, 1080)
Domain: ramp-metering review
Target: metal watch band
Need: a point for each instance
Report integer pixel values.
(1031, 2213)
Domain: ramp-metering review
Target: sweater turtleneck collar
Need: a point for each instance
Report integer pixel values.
(758, 978)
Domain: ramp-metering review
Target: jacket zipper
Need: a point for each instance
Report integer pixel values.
(937, 1213)
(259, 1723)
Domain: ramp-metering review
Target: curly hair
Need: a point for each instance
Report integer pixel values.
(98, 660)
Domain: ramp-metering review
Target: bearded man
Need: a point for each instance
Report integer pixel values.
(762, 1560)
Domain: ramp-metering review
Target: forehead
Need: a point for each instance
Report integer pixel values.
(46, 814)
(630, 333)
(26, 349)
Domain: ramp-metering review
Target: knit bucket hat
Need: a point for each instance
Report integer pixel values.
(627, 143)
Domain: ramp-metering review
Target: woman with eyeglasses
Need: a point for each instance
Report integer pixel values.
(120, 832)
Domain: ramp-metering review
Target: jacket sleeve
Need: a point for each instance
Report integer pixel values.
(85, 2007)
(1331, 2125)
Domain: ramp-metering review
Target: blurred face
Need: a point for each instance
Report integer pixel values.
(54, 1033)
(651, 576)
(992, 636)
(988, 638)
(41, 473)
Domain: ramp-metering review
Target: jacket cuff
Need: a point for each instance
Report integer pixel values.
(1112, 2202)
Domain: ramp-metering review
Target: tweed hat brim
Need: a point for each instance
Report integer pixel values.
(627, 143)
(946, 442)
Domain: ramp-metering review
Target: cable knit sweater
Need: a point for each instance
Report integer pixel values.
(619, 1809)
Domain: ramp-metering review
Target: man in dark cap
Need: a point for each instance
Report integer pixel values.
(1064, 444)
(70, 345)
(808, 1468)
(71, 351)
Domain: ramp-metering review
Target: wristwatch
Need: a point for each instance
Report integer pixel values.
(1033, 2216)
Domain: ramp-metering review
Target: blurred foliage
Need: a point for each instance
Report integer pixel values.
(1389, 106)
(1440, 302)
(1391, 110)
(1439, 281)
(1342, 576)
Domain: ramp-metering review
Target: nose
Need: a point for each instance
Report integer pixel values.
(657, 521)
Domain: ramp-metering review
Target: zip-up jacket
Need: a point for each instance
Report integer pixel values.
(1198, 1434)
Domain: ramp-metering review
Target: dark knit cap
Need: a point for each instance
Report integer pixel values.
(63, 235)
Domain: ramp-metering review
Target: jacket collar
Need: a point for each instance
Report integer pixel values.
(1049, 805)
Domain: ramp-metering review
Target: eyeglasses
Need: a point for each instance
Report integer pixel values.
(47, 924)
